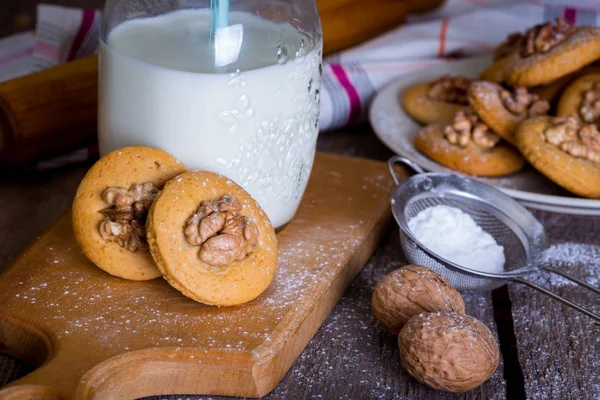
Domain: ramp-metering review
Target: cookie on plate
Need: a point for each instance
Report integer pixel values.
(111, 206)
(469, 146)
(582, 99)
(565, 150)
(553, 90)
(436, 101)
(544, 53)
(211, 240)
(503, 110)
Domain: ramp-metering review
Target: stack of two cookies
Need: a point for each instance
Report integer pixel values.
(138, 214)
(490, 126)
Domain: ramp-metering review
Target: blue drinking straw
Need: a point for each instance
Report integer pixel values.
(219, 19)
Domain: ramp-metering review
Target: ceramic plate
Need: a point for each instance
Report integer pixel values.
(397, 130)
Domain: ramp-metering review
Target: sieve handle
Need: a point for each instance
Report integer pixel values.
(406, 162)
(572, 278)
(582, 310)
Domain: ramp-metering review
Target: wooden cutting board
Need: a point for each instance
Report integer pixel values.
(96, 336)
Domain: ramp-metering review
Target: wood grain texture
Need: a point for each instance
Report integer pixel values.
(350, 357)
(97, 336)
(352, 23)
(559, 348)
(37, 119)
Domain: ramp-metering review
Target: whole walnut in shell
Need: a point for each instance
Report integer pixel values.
(448, 351)
(410, 291)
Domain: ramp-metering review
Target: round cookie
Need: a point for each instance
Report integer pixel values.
(211, 240)
(552, 90)
(537, 61)
(430, 102)
(472, 159)
(496, 72)
(578, 99)
(121, 249)
(503, 110)
(578, 175)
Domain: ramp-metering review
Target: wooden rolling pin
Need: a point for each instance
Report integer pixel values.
(48, 112)
(354, 22)
(54, 111)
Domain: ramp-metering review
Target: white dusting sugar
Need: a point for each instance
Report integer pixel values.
(356, 358)
(580, 260)
(568, 370)
(454, 235)
(81, 303)
(154, 308)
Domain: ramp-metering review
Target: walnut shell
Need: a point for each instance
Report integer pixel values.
(448, 351)
(410, 291)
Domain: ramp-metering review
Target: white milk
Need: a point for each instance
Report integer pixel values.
(257, 127)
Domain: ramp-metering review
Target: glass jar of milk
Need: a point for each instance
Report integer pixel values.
(224, 85)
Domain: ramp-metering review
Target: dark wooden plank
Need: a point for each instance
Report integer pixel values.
(350, 356)
(559, 349)
(353, 357)
(29, 204)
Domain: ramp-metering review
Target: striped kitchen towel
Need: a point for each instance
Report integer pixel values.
(351, 78)
(460, 29)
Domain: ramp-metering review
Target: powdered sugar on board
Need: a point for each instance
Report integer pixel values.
(360, 359)
(153, 308)
(569, 369)
(93, 316)
(582, 260)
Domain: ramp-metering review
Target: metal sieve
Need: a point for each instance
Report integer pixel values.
(509, 223)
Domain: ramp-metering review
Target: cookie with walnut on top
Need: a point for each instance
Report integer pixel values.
(564, 149)
(581, 99)
(211, 240)
(544, 53)
(436, 101)
(503, 110)
(468, 145)
(111, 206)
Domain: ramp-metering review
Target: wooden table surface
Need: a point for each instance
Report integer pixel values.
(549, 351)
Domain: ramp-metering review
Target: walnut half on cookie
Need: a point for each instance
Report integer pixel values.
(503, 110)
(581, 99)
(438, 100)
(468, 145)
(223, 234)
(211, 240)
(544, 53)
(111, 205)
(125, 217)
(565, 150)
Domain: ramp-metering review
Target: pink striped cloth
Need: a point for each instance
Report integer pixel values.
(351, 78)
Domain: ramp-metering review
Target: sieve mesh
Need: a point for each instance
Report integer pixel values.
(514, 248)
(509, 223)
